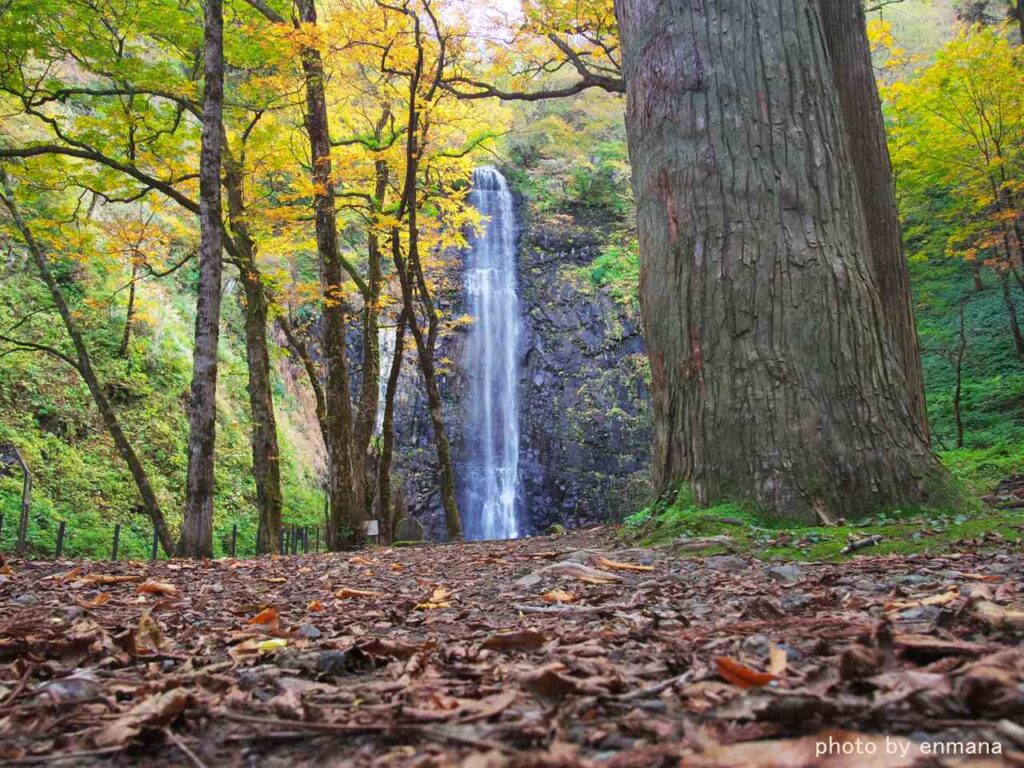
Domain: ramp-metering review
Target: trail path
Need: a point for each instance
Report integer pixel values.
(568, 651)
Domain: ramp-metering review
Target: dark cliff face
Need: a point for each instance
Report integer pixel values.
(583, 401)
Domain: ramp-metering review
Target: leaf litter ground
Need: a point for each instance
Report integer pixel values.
(559, 652)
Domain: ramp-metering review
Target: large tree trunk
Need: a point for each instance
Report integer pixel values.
(197, 523)
(345, 522)
(854, 77)
(82, 362)
(773, 378)
(266, 468)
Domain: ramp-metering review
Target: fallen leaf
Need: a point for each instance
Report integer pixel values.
(96, 602)
(998, 617)
(273, 644)
(360, 560)
(777, 660)
(346, 593)
(558, 596)
(148, 637)
(73, 689)
(156, 711)
(267, 620)
(737, 674)
(520, 640)
(438, 599)
(315, 605)
(582, 572)
(396, 649)
(156, 588)
(549, 681)
(942, 599)
(617, 566)
(396, 567)
(102, 578)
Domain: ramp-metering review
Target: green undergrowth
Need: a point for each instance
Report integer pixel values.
(672, 520)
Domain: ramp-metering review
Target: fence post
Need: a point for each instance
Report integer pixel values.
(156, 543)
(316, 545)
(305, 540)
(281, 541)
(117, 540)
(1, 529)
(60, 539)
(234, 538)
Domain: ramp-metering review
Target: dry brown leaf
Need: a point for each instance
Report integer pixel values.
(582, 572)
(941, 599)
(520, 640)
(350, 593)
(360, 560)
(315, 605)
(558, 596)
(96, 602)
(156, 588)
(396, 649)
(102, 578)
(396, 567)
(267, 620)
(998, 617)
(617, 566)
(156, 711)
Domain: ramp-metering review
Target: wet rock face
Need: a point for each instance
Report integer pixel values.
(583, 401)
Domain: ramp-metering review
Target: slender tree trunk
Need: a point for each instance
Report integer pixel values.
(976, 271)
(773, 377)
(346, 520)
(126, 337)
(1011, 313)
(83, 364)
(197, 522)
(369, 394)
(301, 351)
(266, 453)
(960, 350)
(854, 78)
(388, 434)
(425, 356)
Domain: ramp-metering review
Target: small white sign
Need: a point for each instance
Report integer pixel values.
(371, 528)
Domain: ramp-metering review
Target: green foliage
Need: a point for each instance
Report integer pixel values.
(46, 411)
(676, 517)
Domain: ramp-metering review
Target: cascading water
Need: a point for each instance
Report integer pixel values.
(492, 433)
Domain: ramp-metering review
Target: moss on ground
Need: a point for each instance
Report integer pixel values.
(902, 531)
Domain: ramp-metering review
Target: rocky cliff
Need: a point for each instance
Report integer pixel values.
(584, 409)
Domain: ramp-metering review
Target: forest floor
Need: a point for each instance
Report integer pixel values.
(548, 651)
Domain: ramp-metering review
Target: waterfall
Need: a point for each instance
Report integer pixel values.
(492, 432)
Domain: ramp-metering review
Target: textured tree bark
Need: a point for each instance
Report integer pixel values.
(126, 337)
(82, 362)
(1011, 313)
(266, 469)
(369, 392)
(854, 78)
(197, 523)
(773, 379)
(345, 520)
(388, 434)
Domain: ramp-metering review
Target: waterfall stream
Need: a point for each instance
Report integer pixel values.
(492, 434)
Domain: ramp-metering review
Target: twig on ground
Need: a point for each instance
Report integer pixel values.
(856, 544)
(192, 756)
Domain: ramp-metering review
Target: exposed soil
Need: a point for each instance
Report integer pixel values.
(567, 651)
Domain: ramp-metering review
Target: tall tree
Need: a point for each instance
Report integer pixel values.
(854, 77)
(772, 376)
(82, 362)
(197, 522)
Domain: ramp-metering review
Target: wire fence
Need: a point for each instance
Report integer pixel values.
(293, 540)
